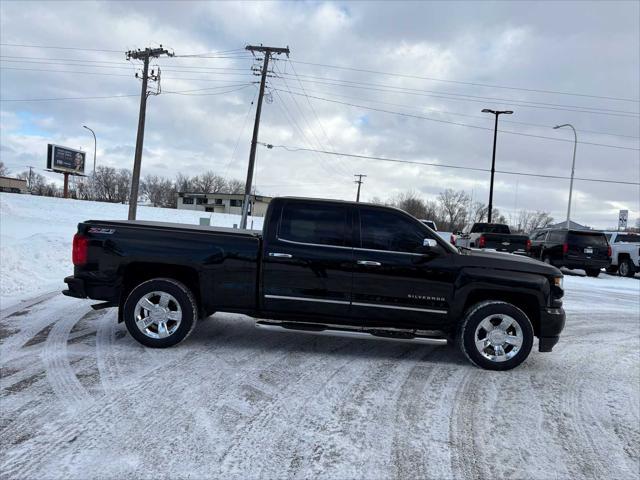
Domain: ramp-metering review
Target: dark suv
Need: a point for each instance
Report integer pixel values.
(583, 249)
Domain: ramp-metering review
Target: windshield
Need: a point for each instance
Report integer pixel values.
(490, 228)
(587, 239)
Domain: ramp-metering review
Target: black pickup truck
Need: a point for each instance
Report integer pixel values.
(325, 267)
(494, 236)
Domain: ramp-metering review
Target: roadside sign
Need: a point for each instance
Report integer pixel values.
(65, 160)
(622, 219)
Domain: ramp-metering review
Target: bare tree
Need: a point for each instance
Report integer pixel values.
(158, 190)
(123, 185)
(235, 186)
(4, 171)
(453, 210)
(183, 183)
(209, 182)
(411, 203)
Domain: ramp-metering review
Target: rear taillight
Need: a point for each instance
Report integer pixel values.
(528, 246)
(481, 242)
(80, 247)
(565, 248)
(608, 250)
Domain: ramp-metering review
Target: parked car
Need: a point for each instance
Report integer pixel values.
(493, 236)
(584, 249)
(325, 267)
(625, 253)
(448, 236)
(431, 224)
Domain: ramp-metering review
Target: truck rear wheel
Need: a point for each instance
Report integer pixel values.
(160, 312)
(592, 272)
(496, 335)
(627, 268)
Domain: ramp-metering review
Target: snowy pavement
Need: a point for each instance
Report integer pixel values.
(81, 399)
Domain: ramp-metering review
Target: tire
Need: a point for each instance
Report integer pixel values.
(171, 304)
(503, 317)
(592, 272)
(627, 268)
(612, 269)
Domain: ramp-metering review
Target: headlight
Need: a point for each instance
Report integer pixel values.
(557, 281)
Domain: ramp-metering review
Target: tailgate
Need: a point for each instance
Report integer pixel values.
(505, 243)
(587, 246)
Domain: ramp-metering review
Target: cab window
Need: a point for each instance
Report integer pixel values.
(390, 231)
(314, 223)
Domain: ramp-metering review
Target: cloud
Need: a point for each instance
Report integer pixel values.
(590, 50)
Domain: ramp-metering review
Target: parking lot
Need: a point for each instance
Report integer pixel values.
(80, 398)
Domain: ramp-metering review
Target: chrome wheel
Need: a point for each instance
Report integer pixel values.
(499, 337)
(623, 269)
(158, 314)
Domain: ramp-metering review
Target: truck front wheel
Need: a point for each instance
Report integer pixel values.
(160, 312)
(495, 335)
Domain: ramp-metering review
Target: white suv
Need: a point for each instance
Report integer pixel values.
(625, 253)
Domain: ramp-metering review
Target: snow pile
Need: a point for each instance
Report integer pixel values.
(36, 234)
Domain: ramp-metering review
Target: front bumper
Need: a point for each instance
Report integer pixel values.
(552, 321)
(76, 287)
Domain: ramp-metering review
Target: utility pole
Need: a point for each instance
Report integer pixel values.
(95, 147)
(143, 55)
(30, 174)
(497, 113)
(267, 52)
(359, 182)
(573, 168)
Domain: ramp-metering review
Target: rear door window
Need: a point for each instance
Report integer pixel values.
(556, 237)
(628, 237)
(314, 223)
(390, 231)
(587, 239)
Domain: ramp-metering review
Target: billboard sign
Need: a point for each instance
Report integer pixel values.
(65, 160)
(623, 217)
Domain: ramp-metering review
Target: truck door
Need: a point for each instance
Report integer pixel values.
(308, 261)
(395, 281)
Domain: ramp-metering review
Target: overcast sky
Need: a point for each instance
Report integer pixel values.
(469, 55)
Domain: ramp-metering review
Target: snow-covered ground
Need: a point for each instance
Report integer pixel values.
(81, 399)
(36, 235)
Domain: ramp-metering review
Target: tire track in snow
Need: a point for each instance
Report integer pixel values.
(421, 441)
(60, 374)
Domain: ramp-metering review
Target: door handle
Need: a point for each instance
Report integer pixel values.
(369, 263)
(280, 255)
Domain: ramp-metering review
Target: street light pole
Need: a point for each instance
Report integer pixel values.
(573, 168)
(95, 146)
(493, 159)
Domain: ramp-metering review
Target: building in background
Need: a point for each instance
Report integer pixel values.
(222, 203)
(572, 225)
(13, 185)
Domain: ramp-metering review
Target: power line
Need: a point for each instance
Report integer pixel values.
(60, 48)
(442, 165)
(182, 92)
(468, 98)
(447, 112)
(476, 84)
(313, 133)
(311, 106)
(464, 124)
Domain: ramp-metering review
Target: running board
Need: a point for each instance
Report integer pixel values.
(378, 334)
